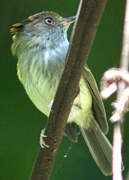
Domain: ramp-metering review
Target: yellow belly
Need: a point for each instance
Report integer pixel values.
(82, 105)
(42, 98)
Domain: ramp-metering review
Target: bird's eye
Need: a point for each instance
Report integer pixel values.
(49, 20)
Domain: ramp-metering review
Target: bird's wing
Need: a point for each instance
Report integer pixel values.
(98, 107)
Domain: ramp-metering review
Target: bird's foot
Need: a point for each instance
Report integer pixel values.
(42, 142)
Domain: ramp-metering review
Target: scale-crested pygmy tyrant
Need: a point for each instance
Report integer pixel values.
(40, 44)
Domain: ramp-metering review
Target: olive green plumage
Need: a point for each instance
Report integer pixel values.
(41, 45)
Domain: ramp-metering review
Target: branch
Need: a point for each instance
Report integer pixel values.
(118, 79)
(88, 17)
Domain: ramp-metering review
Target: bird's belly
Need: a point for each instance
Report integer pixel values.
(41, 97)
(82, 106)
(42, 89)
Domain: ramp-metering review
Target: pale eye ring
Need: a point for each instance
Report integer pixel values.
(49, 21)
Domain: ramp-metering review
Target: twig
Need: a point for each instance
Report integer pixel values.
(117, 156)
(119, 79)
(110, 82)
(89, 14)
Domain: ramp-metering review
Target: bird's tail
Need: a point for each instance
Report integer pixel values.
(99, 147)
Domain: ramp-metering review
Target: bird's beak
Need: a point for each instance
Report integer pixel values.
(69, 20)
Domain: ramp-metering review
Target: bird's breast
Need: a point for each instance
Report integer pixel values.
(40, 74)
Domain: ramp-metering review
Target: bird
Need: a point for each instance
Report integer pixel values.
(41, 44)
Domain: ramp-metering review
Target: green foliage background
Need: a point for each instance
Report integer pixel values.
(21, 122)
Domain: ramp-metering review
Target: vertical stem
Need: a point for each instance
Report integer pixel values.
(117, 134)
(124, 64)
(117, 157)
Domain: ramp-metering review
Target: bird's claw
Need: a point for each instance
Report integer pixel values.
(42, 142)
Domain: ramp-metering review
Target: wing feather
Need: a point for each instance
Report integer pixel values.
(98, 106)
